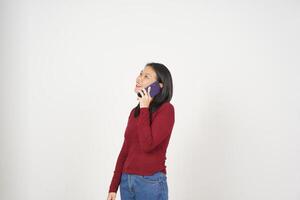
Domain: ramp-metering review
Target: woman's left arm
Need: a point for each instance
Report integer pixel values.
(150, 136)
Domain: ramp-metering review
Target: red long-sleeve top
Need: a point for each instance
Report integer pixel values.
(144, 147)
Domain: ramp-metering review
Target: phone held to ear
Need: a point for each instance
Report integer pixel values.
(155, 89)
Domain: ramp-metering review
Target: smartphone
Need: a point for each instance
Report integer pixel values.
(155, 89)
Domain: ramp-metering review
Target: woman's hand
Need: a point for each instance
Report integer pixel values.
(145, 99)
(112, 196)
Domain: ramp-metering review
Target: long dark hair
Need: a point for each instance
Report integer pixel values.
(163, 76)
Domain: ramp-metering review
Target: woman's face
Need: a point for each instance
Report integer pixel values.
(145, 78)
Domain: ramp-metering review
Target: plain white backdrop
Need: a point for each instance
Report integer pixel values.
(68, 71)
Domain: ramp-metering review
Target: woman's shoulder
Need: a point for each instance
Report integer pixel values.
(131, 111)
(166, 106)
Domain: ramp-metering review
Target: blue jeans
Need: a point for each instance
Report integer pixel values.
(150, 187)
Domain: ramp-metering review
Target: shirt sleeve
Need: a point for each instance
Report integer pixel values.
(150, 136)
(116, 179)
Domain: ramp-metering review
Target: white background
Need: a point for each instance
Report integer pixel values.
(68, 71)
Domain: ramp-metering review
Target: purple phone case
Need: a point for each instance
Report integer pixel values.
(155, 89)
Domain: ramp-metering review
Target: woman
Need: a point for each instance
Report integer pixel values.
(140, 168)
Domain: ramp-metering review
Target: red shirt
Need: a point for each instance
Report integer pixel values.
(144, 147)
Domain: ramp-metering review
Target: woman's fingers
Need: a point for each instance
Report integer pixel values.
(144, 91)
(141, 92)
(111, 196)
(149, 91)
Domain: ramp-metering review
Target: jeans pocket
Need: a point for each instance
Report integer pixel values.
(154, 178)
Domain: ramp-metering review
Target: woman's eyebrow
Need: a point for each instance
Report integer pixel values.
(146, 73)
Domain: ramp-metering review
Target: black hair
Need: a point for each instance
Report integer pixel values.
(163, 76)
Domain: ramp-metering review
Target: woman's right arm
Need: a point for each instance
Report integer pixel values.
(116, 179)
(118, 168)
